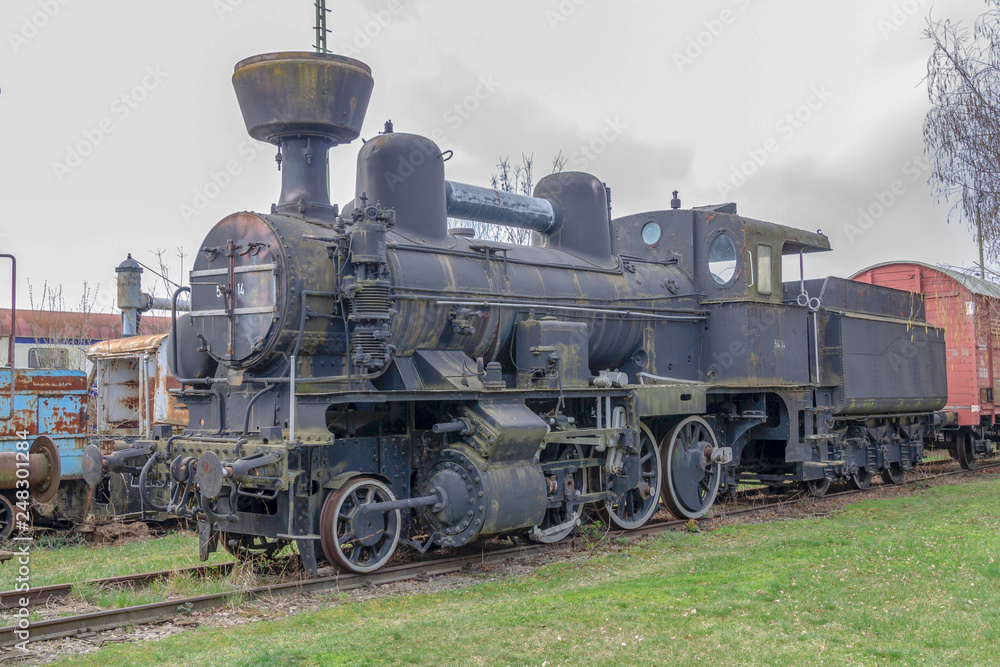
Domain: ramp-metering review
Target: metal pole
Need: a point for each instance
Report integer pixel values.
(145, 396)
(13, 333)
(321, 31)
(979, 233)
(292, 403)
(99, 383)
(142, 393)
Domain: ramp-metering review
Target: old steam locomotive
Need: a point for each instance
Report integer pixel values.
(360, 377)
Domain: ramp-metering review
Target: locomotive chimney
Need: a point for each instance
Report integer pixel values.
(303, 103)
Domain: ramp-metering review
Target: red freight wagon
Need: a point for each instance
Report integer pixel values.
(968, 308)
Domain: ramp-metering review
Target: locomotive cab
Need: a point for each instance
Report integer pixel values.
(739, 259)
(731, 258)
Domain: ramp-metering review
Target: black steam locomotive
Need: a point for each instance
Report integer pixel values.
(360, 377)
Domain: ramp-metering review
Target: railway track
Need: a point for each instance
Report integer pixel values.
(43, 594)
(88, 623)
(69, 626)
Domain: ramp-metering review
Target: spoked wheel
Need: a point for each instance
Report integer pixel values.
(965, 449)
(893, 474)
(692, 479)
(638, 505)
(575, 483)
(861, 480)
(247, 548)
(354, 540)
(816, 487)
(7, 518)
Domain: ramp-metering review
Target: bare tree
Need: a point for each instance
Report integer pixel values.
(962, 129)
(517, 178)
(163, 273)
(61, 341)
(558, 162)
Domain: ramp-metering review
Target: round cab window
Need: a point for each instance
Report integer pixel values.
(722, 259)
(650, 233)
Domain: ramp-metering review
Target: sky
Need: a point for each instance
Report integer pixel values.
(122, 133)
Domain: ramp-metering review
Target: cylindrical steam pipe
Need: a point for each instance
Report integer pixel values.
(471, 202)
(164, 303)
(458, 426)
(303, 170)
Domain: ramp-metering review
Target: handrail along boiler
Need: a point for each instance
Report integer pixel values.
(360, 377)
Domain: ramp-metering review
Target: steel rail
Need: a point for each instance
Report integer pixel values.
(163, 611)
(69, 626)
(42, 594)
(665, 526)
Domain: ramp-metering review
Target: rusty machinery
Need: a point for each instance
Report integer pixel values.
(362, 376)
(42, 437)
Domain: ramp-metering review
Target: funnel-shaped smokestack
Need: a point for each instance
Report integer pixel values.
(304, 103)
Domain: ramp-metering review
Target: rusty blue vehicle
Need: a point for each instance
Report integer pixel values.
(43, 415)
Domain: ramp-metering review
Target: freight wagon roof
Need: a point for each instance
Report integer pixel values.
(974, 284)
(52, 325)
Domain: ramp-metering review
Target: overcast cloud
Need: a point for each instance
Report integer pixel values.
(121, 131)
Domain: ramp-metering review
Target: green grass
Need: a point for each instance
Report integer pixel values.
(59, 561)
(911, 580)
(932, 455)
(82, 562)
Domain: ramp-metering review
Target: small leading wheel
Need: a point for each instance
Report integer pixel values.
(638, 505)
(7, 518)
(692, 479)
(575, 483)
(247, 548)
(965, 452)
(355, 540)
(861, 480)
(893, 474)
(816, 487)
